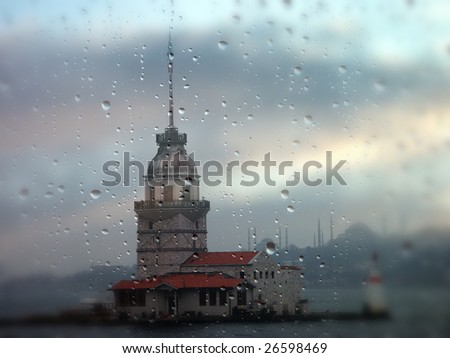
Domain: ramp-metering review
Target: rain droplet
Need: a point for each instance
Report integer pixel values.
(285, 194)
(295, 142)
(250, 117)
(95, 193)
(181, 110)
(308, 119)
(297, 70)
(77, 98)
(290, 209)
(270, 248)
(106, 105)
(322, 265)
(48, 194)
(237, 153)
(301, 258)
(195, 237)
(222, 45)
(23, 193)
(61, 188)
(380, 85)
(105, 232)
(342, 69)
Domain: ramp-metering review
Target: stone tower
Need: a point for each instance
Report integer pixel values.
(172, 218)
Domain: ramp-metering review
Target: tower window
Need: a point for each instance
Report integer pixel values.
(150, 225)
(196, 224)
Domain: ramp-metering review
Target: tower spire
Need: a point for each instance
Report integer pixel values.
(170, 70)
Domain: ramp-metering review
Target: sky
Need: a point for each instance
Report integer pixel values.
(367, 81)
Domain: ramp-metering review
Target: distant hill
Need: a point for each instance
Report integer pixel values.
(421, 259)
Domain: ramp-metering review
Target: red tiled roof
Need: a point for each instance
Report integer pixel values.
(220, 258)
(182, 280)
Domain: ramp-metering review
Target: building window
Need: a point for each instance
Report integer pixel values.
(212, 297)
(260, 274)
(202, 297)
(222, 298)
(242, 274)
(255, 275)
(267, 274)
(196, 224)
(150, 225)
(131, 298)
(242, 298)
(273, 274)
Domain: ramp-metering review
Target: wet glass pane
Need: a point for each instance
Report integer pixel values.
(291, 156)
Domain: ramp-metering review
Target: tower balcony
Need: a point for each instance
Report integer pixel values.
(150, 204)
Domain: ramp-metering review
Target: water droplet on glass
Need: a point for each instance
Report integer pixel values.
(222, 45)
(297, 70)
(106, 105)
(308, 119)
(95, 193)
(380, 85)
(285, 194)
(181, 110)
(77, 98)
(270, 248)
(195, 237)
(301, 258)
(105, 232)
(250, 117)
(236, 153)
(295, 142)
(23, 193)
(61, 188)
(322, 265)
(342, 69)
(290, 209)
(48, 194)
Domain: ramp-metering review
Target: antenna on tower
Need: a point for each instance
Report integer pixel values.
(170, 70)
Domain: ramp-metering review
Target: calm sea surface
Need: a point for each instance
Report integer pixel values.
(415, 313)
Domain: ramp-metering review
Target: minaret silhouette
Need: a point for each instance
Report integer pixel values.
(286, 243)
(319, 236)
(331, 227)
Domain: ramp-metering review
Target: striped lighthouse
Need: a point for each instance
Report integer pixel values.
(375, 301)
